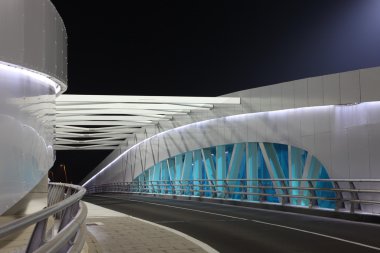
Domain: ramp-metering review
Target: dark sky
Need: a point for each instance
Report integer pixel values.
(209, 48)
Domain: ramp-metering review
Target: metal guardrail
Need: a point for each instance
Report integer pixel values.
(344, 194)
(67, 233)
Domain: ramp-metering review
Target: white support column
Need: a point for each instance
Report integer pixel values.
(197, 172)
(252, 167)
(234, 166)
(221, 169)
(178, 172)
(187, 170)
(209, 166)
(274, 167)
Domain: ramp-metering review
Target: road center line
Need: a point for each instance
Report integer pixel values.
(255, 221)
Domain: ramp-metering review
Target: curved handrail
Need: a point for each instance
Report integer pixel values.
(73, 216)
(65, 234)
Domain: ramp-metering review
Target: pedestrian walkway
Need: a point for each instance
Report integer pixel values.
(17, 242)
(110, 231)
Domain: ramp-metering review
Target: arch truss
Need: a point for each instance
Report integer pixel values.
(244, 171)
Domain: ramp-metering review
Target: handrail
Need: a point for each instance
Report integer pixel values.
(66, 234)
(63, 204)
(346, 194)
(268, 179)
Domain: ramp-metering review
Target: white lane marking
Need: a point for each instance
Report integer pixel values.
(318, 234)
(257, 221)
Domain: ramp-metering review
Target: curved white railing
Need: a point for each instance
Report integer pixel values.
(66, 216)
(344, 194)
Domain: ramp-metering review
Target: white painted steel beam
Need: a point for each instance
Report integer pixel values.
(150, 106)
(96, 135)
(158, 113)
(97, 142)
(104, 123)
(143, 119)
(93, 129)
(107, 121)
(90, 147)
(148, 99)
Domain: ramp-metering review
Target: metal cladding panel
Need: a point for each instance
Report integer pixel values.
(59, 45)
(370, 84)
(331, 95)
(64, 54)
(51, 41)
(350, 87)
(11, 31)
(32, 35)
(26, 133)
(34, 19)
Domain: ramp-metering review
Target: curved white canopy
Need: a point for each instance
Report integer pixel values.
(87, 122)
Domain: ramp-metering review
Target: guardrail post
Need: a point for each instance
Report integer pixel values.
(157, 188)
(173, 188)
(178, 187)
(66, 218)
(339, 197)
(354, 198)
(213, 189)
(225, 189)
(243, 190)
(151, 190)
(38, 236)
(312, 201)
(284, 200)
(202, 188)
(70, 212)
(262, 196)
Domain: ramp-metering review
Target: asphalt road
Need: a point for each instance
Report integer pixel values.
(241, 229)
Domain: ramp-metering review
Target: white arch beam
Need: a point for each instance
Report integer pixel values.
(107, 121)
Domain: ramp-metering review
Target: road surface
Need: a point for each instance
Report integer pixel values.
(242, 229)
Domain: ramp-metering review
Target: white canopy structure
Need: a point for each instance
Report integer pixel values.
(88, 122)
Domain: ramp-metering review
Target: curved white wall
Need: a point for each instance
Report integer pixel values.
(344, 138)
(331, 116)
(32, 72)
(32, 35)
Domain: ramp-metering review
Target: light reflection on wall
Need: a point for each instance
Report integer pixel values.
(27, 109)
(344, 116)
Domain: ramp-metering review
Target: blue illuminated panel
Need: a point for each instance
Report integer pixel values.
(233, 165)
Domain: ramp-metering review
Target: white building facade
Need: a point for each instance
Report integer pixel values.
(325, 127)
(33, 71)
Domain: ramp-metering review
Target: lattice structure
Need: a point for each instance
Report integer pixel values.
(87, 122)
(242, 171)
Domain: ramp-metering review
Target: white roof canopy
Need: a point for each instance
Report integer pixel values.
(88, 122)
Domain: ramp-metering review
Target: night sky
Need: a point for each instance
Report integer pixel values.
(208, 48)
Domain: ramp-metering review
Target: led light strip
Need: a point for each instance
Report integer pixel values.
(58, 86)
